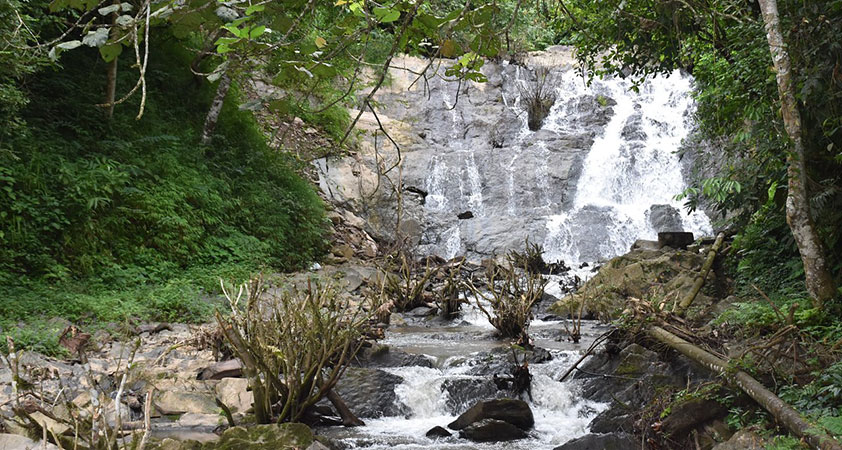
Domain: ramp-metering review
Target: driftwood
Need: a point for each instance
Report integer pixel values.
(783, 413)
(703, 274)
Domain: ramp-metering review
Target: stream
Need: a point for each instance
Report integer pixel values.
(458, 350)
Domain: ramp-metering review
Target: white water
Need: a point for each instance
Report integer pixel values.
(560, 414)
(624, 175)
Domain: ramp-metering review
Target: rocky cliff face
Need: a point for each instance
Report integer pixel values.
(473, 178)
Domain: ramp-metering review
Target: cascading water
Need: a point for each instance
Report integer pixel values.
(457, 349)
(631, 167)
(584, 185)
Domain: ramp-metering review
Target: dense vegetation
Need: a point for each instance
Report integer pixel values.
(108, 220)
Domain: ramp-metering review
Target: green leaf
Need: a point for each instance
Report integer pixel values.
(386, 15)
(96, 38)
(254, 8)
(110, 52)
(257, 31)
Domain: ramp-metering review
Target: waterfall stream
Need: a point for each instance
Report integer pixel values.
(456, 348)
(600, 173)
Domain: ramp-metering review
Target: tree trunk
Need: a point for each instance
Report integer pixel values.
(782, 412)
(111, 77)
(216, 108)
(703, 274)
(820, 284)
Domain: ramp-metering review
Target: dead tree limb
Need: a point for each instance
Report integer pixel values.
(783, 413)
(700, 279)
(348, 417)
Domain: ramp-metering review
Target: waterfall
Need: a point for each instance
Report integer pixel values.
(629, 168)
(600, 173)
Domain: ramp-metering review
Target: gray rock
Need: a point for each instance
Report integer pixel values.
(17, 442)
(438, 432)
(515, 412)
(675, 239)
(664, 218)
(611, 441)
(180, 402)
(370, 392)
(222, 369)
(234, 393)
(492, 430)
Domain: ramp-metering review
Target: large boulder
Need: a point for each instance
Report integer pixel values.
(610, 441)
(515, 412)
(370, 392)
(382, 356)
(492, 430)
(641, 273)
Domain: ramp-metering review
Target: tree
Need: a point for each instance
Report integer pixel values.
(724, 45)
(820, 282)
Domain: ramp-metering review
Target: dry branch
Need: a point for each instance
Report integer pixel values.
(782, 412)
(700, 279)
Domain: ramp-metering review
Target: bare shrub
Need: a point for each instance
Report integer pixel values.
(511, 291)
(295, 346)
(538, 97)
(406, 288)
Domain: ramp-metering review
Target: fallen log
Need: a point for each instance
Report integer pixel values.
(700, 279)
(783, 413)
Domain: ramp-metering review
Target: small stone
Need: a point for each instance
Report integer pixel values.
(492, 430)
(438, 432)
(18, 442)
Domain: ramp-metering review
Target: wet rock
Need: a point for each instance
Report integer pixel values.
(664, 218)
(463, 392)
(438, 432)
(675, 239)
(421, 311)
(515, 412)
(465, 215)
(610, 441)
(383, 356)
(370, 392)
(222, 369)
(492, 430)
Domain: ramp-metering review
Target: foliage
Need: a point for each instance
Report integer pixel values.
(123, 220)
(539, 97)
(294, 346)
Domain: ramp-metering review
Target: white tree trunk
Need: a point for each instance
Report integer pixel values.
(216, 108)
(819, 281)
